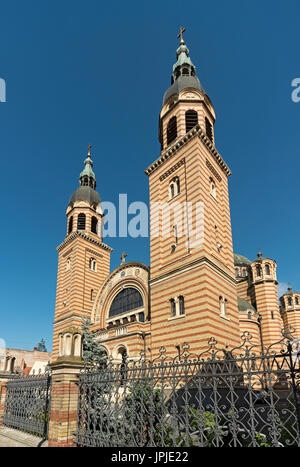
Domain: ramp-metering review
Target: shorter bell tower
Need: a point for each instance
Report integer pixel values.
(265, 298)
(83, 258)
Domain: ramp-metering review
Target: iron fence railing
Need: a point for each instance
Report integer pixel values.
(27, 404)
(242, 397)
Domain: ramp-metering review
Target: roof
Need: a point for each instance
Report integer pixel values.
(181, 83)
(243, 305)
(86, 193)
(240, 260)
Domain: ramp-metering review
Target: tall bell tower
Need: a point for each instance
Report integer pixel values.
(83, 258)
(192, 285)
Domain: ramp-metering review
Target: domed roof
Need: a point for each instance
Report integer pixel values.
(240, 260)
(86, 193)
(181, 83)
(243, 305)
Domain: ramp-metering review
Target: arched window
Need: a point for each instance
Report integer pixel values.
(181, 305)
(191, 119)
(236, 272)
(213, 190)
(126, 300)
(223, 306)
(244, 273)
(172, 130)
(297, 300)
(267, 270)
(68, 264)
(258, 271)
(93, 264)
(185, 71)
(174, 187)
(173, 307)
(94, 224)
(81, 221)
(208, 127)
(289, 301)
(70, 225)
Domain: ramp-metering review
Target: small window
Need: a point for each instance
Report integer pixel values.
(191, 119)
(181, 305)
(213, 190)
(297, 300)
(258, 271)
(223, 307)
(174, 187)
(68, 265)
(173, 307)
(208, 127)
(70, 225)
(94, 224)
(185, 71)
(236, 272)
(244, 273)
(267, 270)
(92, 294)
(289, 301)
(171, 130)
(81, 221)
(93, 264)
(142, 317)
(272, 314)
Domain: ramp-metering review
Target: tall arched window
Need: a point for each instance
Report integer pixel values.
(191, 119)
(289, 301)
(208, 128)
(173, 307)
(267, 270)
(126, 300)
(297, 300)
(181, 305)
(94, 224)
(258, 271)
(223, 306)
(70, 225)
(172, 130)
(81, 221)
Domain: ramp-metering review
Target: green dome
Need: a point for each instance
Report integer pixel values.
(240, 260)
(243, 305)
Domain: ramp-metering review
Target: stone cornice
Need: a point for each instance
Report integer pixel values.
(181, 142)
(202, 260)
(87, 237)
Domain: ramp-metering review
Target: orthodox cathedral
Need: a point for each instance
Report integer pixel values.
(187, 294)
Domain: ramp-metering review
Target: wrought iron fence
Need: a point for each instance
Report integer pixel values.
(234, 398)
(27, 404)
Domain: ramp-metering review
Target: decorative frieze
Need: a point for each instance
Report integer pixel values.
(172, 169)
(213, 170)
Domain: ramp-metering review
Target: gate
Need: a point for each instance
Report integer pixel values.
(27, 404)
(218, 398)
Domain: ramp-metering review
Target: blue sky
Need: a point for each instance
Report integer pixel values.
(95, 72)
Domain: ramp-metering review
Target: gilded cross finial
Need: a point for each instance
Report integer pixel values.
(181, 31)
(89, 150)
(123, 256)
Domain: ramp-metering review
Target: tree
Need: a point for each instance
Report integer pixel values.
(93, 352)
(41, 347)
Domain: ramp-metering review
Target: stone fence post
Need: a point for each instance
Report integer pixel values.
(64, 401)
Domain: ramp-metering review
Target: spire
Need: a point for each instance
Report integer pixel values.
(184, 65)
(87, 176)
(184, 71)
